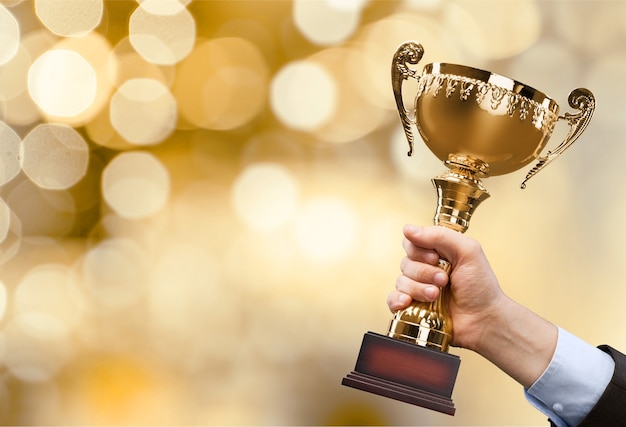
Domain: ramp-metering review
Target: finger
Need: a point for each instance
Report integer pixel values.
(423, 273)
(428, 256)
(397, 300)
(449, 244)
(416, 290)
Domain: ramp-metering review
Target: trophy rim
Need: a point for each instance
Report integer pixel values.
(444, 68)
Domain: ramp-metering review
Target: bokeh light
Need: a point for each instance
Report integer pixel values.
(11, 154)
(135, 184)
(265, 196)
(126, 64)
(303, 95)
(19, 108)
(353, 117)
(9, 35)
(47, 289)
(327, 22)
(143, 111)
(74, 83)
(10, 231)
(114, 273)
(70, 18)
(96, 50)
(5, 220)
(49, 145)
(163, 32)
(34, 352)
(222, 84)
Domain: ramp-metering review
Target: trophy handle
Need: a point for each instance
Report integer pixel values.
(581, 99)
(408, 52)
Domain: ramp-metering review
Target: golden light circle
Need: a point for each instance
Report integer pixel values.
(163, 32)
(114, 273)
(13, 74)
(55, 156)
(70, 18)
(9, 35)
(37, 347)
(126, 64)
(185, 293)
(303, 95)
(265, 196)
(11, 154)
(222, 84)
(143, 111)
(95, 49)
(19, 108)
(48, 289)
(10, 232)
(62, 83)
(326, 22)
(5, 220)
(135, 184)
(354, 116)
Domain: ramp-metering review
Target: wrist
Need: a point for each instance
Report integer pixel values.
(518, 341)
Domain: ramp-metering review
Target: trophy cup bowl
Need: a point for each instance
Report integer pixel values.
(479, 124)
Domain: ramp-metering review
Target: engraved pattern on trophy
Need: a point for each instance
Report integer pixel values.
(542, 117)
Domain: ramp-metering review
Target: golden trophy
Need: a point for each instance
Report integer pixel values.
(479, 124)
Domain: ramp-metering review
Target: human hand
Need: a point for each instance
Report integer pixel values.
(475, 294)
(484, 319)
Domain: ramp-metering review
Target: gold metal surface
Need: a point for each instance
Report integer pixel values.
(479, 124)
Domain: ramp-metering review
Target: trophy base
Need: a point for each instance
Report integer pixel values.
(406, 372)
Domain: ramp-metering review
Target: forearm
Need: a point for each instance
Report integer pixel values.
(518, 341)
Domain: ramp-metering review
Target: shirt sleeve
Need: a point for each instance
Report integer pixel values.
(573, 381)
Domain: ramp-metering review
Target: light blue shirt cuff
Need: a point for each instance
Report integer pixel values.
(573, 382)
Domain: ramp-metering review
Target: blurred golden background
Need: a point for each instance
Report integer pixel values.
(201, 202)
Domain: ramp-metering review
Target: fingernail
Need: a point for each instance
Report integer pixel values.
(440, 278)
(430, 292)
(404, 299)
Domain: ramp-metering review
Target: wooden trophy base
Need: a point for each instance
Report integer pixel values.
(406, 372)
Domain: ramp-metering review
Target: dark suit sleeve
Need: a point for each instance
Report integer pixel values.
(611, 407)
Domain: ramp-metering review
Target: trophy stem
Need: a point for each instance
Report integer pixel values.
(459, 193)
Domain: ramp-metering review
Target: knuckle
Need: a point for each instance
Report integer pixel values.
(401, 282)
(403, 263)
(473, 246)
